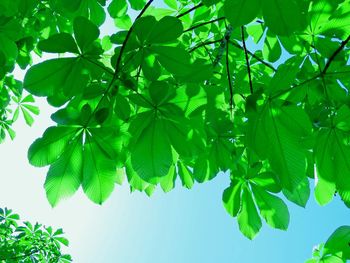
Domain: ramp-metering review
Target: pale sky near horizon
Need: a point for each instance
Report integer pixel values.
(183, 226)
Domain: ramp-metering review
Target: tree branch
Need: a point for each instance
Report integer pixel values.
(254, 56)
(203, 44)
(119, 59)
(321, 74)
(247, 61)
(229, 78)
(190, 10)
(204, 23)
(329, 62)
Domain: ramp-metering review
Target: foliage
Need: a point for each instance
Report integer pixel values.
(257, 89)
(336, 249)
(28, 243)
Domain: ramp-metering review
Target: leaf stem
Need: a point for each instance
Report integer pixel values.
(119, 59)
(204, 23)
(247, 61)
(229, 77)
(190, 10)
(340, 48)
(253, 55)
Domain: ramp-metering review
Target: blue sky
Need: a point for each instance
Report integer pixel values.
(179, 227)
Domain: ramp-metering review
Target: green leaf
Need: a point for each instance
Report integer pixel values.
(50, 147)
(284, 18)
(174, 59)
(285, 75)
(59, 79)
(210, 2)
(99, 172)
(276, 134)
(45, 78)
(85, 32)
(137, 4)
(185, 175)
(59, 43)
(9, 51)
(241, 12)
(301, 193)
(27, 117)
(167, 182)
(248, 218)
(267, 180)
(231, 197)
(151, 157)
(272, 50)
(160, 32)
(117, 8)
(332, 157)
(272, 208)
(65, 174)
(339, 242)
(324, 191)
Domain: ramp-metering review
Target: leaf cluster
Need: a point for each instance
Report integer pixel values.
(189, 89)
(21, 243)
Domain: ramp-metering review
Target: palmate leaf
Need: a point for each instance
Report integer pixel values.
(117, 8)
(59, 43)
(185, 175)
(99, 172)
(51, 146)
(160, 32)
(91, 9)
(284, 18)
(151, 157)
(272, 208)
(300, 195)
(85, 33)
(241, 12)
(60, 79)
(339, 242)
(174, 59)
(231, 197)
(248, 218)
(65, 175)
(276, 134)
(46, 78)
(332, 161)
(175, 104)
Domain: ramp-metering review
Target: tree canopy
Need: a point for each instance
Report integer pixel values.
(28, 243)
(186, 89)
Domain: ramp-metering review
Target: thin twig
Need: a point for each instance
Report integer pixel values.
(190, 10)
(203, 44)
(254, 56)
(204, 23)
(321, 74)
(119, 59)
(330, 60)
(247, 61)
(223, 44)
(101, 66)
(229, 78)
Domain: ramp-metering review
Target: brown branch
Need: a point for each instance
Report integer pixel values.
(119, 59)
(321, 74)
(330, 60)
(190, 10)
(127, 38)
(204, 23)
(203, 44)
(254, 56)
(247, 61)
(229, 78)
